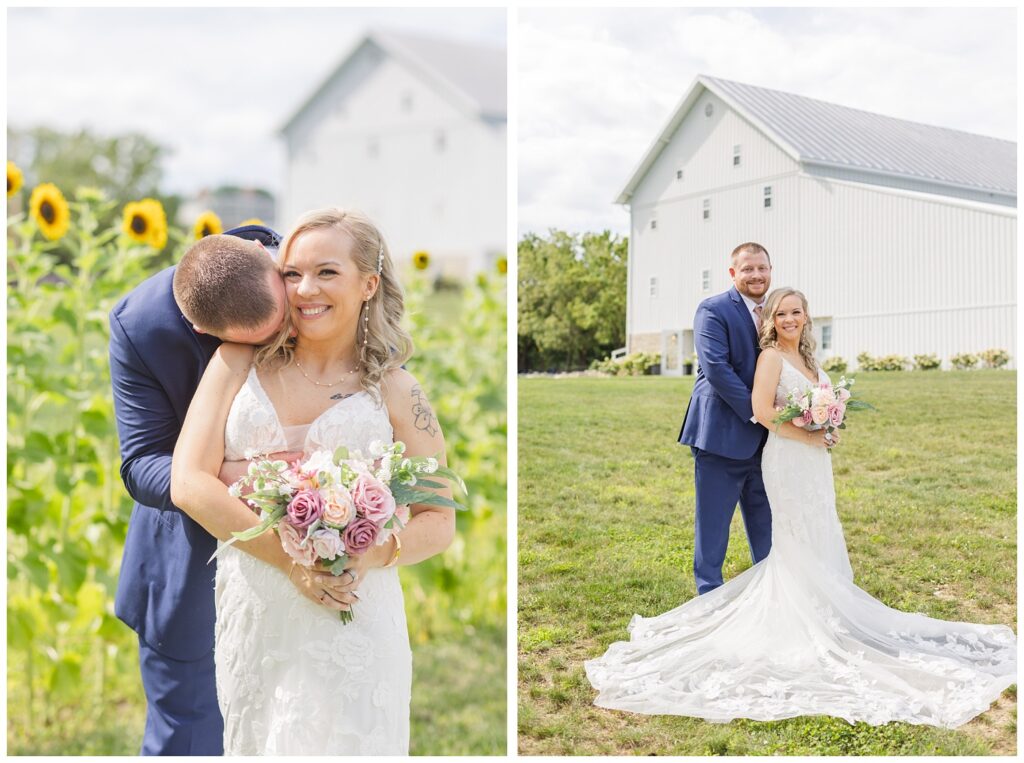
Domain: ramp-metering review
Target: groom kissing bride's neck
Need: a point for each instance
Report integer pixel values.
(162, 336)
(719, 425)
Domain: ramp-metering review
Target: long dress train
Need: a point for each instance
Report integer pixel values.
(794, 636)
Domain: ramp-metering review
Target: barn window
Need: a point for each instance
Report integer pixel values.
(440, 142)
(826, 337)
(654, 286)
(735, 156)
(679, 174)
(767, 196)
(705, 280)
(709, 110)
(654, 224)
(707, 209)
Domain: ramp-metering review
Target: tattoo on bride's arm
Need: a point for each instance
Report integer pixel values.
(424, 417)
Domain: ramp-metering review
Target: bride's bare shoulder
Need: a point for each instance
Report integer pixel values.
(769, 357)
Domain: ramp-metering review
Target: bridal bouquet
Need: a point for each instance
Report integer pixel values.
(821, 407)
(333, 505)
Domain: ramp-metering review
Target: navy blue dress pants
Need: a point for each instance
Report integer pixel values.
(182, 716)
(720, 483)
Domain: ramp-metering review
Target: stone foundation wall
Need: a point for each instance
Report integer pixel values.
(644, 343)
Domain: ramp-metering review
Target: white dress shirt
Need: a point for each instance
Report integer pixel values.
(750, 310)
(751, 304)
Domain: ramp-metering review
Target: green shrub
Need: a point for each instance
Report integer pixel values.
(867, 362)
(927, 362)
(994, 358)
(834, 365)
(894, 363)
(637, 364)
(964, 361)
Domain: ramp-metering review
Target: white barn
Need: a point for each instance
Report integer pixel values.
(902, 235)
(411, 131)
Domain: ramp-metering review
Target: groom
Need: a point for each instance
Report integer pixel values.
(162, 335)
(719, 425)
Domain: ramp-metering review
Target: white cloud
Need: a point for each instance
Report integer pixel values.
(213, 84)
(596, 85)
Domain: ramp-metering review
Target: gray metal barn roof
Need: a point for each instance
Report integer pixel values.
(831, 137)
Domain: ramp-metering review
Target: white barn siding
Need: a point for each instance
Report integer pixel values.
(683, 243)
(893, 274)
(703, 147)
(908, 274)
(890, 269)
(382, 138)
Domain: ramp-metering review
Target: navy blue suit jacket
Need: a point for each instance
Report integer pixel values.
(165, 589)
(718, 417)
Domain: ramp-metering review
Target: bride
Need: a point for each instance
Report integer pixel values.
(793, 635)
(291, 678)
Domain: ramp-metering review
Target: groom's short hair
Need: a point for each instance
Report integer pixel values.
(221, 283)
(752, 247)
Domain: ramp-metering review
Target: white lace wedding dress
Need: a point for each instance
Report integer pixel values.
(794, 636)
(291, 678)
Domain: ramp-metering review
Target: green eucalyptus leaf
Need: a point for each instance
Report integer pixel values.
(338, 565)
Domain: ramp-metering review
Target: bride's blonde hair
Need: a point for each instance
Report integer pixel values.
(769, 337)
(387, 345)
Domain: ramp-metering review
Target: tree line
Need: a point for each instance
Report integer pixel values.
(571, 299)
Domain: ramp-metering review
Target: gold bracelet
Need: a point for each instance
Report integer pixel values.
(398, 550)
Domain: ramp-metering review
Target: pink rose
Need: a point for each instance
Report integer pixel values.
(372, 498)
(326, 543)
(305, 508)
(360, 535)
(835, 414)
(805, 418)
(844, 395)
(291, 538)
(823, 395)
(819, 414)
(338, 506)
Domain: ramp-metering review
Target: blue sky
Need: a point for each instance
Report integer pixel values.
(213, 84)
(596, 85)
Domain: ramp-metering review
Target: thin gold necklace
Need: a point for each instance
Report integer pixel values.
(321, 384)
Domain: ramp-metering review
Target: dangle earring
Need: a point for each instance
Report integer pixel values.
(366, 323)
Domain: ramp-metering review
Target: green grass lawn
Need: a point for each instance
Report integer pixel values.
(926, 491)
(454, 711)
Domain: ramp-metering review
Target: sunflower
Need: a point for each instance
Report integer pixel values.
(50, 210)
(251, 221)
(14, 179)
(207, 224)
(503, 265)
(420, 260)
(145, 222)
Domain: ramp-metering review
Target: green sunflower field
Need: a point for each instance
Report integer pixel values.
(73, 684)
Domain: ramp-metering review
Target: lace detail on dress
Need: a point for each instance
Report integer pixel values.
(291, 679)
(794, 636)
